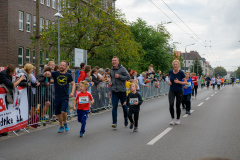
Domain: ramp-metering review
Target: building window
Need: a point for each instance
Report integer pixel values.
(28, 22)
(41, 24)
(47, 57)
(188, 61)
(53, 4)
(27, 55)
(34, 22)
(47, 24)
(59, 5)
(42, 1)
(20, 56)
(41, 57)
(34, 56)
(48, 3)
(21, 20)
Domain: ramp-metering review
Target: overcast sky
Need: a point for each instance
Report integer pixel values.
(215, 21)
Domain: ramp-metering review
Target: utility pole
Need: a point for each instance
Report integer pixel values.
(37, 39)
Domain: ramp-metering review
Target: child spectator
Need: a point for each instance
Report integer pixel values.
(83, 105)
(83, 74)
(187, 92)
(134, 100)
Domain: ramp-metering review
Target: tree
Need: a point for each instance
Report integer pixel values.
(238, 73)
(220, 71)
(155, 43)
(95, 27)
(197, 67)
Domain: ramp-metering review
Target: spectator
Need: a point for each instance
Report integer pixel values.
(6, 80)
(107, 71)
(141, 79)
(78, 72)
(119, 76)
(102, 86)
(44, 93)
(150, 69)
(96, 80)
(56, 68)
(51, 64)
(83, 74)
(166, 78)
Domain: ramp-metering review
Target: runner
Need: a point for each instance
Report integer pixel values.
(119, 76)
(208, 81)
(61, 85)
(187, 89)
(213, 82)
(176, 90)
(222, 81)
(195, 83)
(202, 82)
(232, 80)
(218, 83)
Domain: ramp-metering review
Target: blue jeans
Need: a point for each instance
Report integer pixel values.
(82, 118)
(116, 96)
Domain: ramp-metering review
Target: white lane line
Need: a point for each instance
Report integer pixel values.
(200, 104)
(159, 136)
(207, 98)
(212, 95)
(186, 115)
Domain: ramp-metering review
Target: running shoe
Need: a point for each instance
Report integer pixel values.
(81, 134)
(172, 122)
(183, 107)
(135, 129)
(177, 122)
(114, 126)
(61, 129)
(66, 127)
(131, 125)
(189, 113)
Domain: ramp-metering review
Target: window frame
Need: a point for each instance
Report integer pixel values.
(28, 23)
(41, 1)
(20, 20)
(28, 56)
(54, 4)
(48, 3)
(41, 24)
(20, 56)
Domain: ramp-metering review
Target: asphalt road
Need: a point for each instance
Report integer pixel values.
(211, 130)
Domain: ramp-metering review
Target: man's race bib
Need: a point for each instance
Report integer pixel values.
(188, 84)
(83, 100)
(133, 100)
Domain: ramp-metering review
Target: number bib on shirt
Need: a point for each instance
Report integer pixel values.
(133, 100)
(83, 100)
(188, 84)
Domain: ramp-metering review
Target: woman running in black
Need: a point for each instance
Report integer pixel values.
(176, 90)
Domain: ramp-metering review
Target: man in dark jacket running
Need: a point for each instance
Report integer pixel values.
(119, 76)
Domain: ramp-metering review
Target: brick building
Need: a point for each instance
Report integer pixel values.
(18, 21)
(17, 26)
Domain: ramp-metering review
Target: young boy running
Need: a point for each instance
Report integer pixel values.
(82, 99)
(134, 100)
(218, 83)
(187, 92)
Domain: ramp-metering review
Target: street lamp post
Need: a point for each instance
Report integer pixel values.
(185, 55)
(59, 15)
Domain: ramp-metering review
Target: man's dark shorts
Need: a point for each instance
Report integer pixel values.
(61, 105)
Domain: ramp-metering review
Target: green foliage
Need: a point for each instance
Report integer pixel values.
(99, 30)
(154, 43)
(197, 67)
(220, 71)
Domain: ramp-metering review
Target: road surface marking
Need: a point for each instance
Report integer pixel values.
(159, 136)
(207, 98)
(212, 95)
(200, 104)
(186, 115)
(215, 92)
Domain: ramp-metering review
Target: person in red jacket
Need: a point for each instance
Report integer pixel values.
(83, 74)
(195, 83)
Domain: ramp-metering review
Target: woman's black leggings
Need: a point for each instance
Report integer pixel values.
(195, 89)
(171, 98)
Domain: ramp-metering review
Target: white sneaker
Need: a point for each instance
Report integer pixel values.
(172, 122)
(177, 122)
